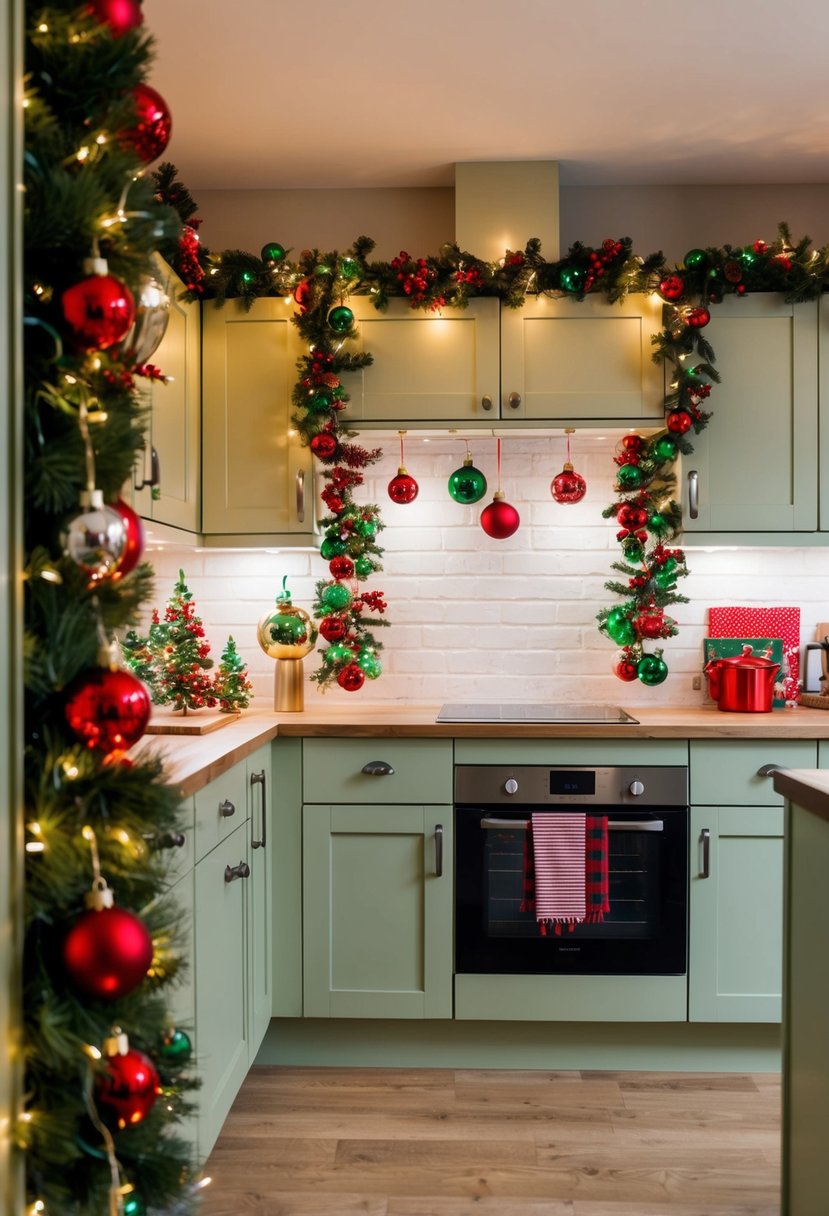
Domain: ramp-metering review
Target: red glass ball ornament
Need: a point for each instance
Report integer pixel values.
(626, 669)
(333, 628)
(99, 311)
(120, 15)
(403, 488)
(302, 295)
(500, 519)
(678, 421)
(672, 287)
(568, 486)
(324, 445)
(631, 517)
(632, 443)
(106, 954)
(107, 710)
(351, 678)
(151, 133)
(134, 532)
(341, 567)
(698, 318)
(650, 624)
(126, 1093)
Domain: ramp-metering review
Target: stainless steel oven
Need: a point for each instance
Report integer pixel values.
(644, 933)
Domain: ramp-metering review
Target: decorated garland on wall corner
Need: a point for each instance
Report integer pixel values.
(648, 515)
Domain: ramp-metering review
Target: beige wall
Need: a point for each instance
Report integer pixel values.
(670, 218)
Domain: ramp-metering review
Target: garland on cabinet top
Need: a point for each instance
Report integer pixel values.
(106, 1077)
(648, 516)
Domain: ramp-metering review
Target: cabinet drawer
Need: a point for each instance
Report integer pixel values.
(220, 808)
(333, 770)
(724, 772)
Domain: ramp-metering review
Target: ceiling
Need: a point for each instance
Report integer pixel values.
(270, 94)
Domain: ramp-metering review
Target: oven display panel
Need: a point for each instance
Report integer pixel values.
(576, 781)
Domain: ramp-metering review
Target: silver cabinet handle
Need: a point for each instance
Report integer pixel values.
(240, 871)
(377, 768)
(705, 842)
(693, 494)
(768, 770)
(154, 478)
(300, 496)
(226, 809)
(514, 400)
(439, 850)
(259, 779)
(486, 403)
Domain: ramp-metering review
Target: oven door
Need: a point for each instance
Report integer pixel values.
(645, 932)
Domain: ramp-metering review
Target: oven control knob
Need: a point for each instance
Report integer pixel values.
(511, 786)
(636, 788)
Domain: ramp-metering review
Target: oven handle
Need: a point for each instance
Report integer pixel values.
(613, 825)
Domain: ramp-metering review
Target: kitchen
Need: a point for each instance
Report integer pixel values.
(441, 574)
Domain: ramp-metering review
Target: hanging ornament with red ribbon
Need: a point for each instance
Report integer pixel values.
(569, 486)
(500, 519)
(127, 1091)
(403, 488)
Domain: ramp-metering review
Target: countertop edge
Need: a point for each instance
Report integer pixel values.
(806, 787)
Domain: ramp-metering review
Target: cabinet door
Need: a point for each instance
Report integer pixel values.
(428, 367)
(222, 1023)
(757, 461)
(736, 934)
(181, 996)
(260, 907)
(256, 473)
(377, 911)
(570, 360)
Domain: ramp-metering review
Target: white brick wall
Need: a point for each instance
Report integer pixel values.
(479, 619)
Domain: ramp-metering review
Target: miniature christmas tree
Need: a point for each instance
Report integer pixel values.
(173, 660)
(231, 684)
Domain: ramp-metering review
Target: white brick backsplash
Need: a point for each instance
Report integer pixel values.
(480, 619)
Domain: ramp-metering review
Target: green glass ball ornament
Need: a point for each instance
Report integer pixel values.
(652, 669)
(248, 277)
(369, 664)
(321, 400)
(630, 476)
(467, 484)
(363, 567)
(633, 549)
(175, 1046)
(332, 546)
(367, 528)
(273, 252)
(665, 578)
(620, 627)
(665, 448)
(748, 257)
(695, 258)
(571, 279)
(336, 597)
(337, 654)
(658, 524)
(349, 268)
(134, 1205)
(340, 319)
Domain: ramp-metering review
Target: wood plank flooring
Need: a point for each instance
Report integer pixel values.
(442, 1142)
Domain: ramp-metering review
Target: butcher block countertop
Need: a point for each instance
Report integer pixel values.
(195, 760)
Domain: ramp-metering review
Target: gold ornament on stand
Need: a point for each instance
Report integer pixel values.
(287, 634)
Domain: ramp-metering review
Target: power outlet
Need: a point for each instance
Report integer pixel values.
(696, 683)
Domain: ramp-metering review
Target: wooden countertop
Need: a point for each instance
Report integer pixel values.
(194, 760)
(809, 788)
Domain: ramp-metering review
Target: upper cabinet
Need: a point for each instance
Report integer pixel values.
(256, 473)
(754, 470)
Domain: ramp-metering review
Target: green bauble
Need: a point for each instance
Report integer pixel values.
(467, 484)
(336, 597)
(349, 268)
(134, 1205)
(332, 546)
(664, 448)
(633, 549)
(666, 577)
(367, 528)
(652, 669)
(658, 524)
(630, 476)
(695, 258)
(337, 654)
(175, 1047)
(363, 567)
(748, 257)
(321, 400)
(571, 279)
(340, 319)
(620, 627)
(369, 664)
(272, 252)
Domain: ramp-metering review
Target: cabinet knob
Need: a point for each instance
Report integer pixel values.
(693, 494)
(240, 871)
(636, 788)
(226, 809)
(768, 770)
(486, 403)
(511, 786)
(177, 840)
(514, 401)
(377, 768)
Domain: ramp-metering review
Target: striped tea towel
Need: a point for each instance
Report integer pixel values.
(559, 861)
(596, 878)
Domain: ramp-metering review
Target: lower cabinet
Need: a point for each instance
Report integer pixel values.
(736, 914)
(377, 911)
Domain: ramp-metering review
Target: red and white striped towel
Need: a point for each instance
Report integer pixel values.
(559, 856)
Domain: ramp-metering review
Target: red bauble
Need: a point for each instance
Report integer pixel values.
(632, 443)
(351, 678)
(649, 624)
(134, 531)
(302, 295)
(324, 445)
(341, 567)
(333, 628)
(672, 287)
(99, 310)
(499, 520)
(697, 318)
(106, 954)
(631, 517)
(108, 710)
(626, 669)
(151, 133)
(403, 488)
(568, 486)
(127, 1091)
(678, 421)
(120, 15)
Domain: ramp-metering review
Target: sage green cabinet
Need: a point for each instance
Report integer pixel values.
(260, 925)
(377, 770)
(256, 473)
(754, 470)
(377, 911)
(726, 772)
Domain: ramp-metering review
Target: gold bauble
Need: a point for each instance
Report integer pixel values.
(287, 632)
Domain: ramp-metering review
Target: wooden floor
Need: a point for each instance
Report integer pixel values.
(438, 1142)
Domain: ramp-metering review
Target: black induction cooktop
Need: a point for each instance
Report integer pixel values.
(508, 711)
